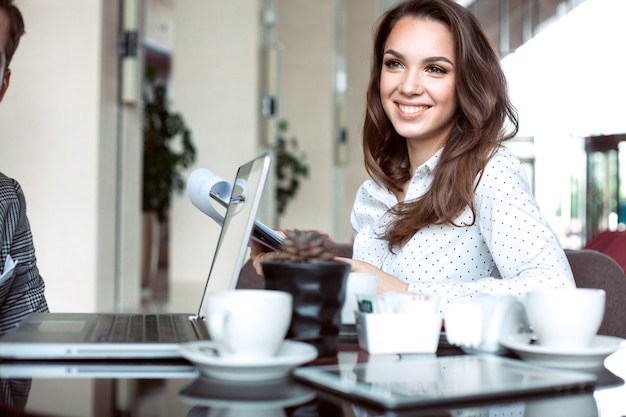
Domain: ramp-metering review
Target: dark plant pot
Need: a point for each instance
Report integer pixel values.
(318, 292)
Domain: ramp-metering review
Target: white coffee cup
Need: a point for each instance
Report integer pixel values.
(248, 324)
(358, 283)
(566, 319)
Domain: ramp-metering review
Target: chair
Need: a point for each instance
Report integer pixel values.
(612, 243)
(593, 269)
(248, 278)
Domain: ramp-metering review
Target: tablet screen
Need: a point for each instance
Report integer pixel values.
(428, 380)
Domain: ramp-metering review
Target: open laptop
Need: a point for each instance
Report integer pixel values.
(132, 336)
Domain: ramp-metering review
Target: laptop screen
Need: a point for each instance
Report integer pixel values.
(237, 226)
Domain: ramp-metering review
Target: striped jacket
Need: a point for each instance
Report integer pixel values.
(21, 292)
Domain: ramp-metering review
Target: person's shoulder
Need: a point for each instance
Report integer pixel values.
(9, 187)
(504, 171)
(504, 159)
(369, 186)
(6, 181)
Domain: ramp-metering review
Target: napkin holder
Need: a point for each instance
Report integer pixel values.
(477, 324)
(394, 333)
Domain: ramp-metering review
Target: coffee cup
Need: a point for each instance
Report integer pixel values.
(248, 324)
(358, 283)
(566, 319)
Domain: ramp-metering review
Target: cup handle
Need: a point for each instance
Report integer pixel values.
(218, 329)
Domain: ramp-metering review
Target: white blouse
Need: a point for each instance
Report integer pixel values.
(509, 249)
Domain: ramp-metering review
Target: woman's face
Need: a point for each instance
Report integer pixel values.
(417, 82)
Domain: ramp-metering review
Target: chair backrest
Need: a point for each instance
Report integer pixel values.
(593, 269)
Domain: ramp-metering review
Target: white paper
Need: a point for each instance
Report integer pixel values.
(9, 266)
(205, 188)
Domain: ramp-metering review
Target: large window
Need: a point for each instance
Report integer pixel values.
(510, 23)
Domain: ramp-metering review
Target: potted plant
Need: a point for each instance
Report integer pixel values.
(306, 268)
(291, 168)
(167, 150)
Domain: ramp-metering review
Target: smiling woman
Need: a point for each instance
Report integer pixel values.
(448, 210)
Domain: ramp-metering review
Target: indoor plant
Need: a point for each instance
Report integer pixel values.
(306, 268)
(167, 150)
(291, 168)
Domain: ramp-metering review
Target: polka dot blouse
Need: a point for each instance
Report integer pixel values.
(509, 249)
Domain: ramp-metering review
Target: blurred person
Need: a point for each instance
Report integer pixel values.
(21, 286)
(448, 210)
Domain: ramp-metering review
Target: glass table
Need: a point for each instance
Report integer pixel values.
(175, 388)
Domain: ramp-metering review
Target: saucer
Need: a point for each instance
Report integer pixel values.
(204, 355)
(616, 363)
(587, 358)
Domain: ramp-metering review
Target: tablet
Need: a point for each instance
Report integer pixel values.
(429, 380)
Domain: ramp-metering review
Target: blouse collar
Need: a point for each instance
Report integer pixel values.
(428, 166)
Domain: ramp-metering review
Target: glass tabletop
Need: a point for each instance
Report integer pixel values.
(176, 388)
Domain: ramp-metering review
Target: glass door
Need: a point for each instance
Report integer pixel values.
(606, 198)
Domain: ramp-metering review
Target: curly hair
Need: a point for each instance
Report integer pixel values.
(16, 28)
(479, 124)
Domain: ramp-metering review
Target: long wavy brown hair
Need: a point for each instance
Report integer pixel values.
(479, 125)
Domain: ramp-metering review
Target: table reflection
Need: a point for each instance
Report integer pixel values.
(14, 392)
(212, 397)
(149, 389)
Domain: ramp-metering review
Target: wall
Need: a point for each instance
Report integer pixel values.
(306, 31)
(361, 17)
(215, 87)
(58, 127)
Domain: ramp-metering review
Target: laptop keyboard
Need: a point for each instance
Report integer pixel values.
(132, 328)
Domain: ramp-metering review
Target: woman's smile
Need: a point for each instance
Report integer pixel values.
(409, 110)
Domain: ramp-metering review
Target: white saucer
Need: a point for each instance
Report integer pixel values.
(591, 357)
(290, 355)
(616, 363)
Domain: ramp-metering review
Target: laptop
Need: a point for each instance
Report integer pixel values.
(136, 336)
(429, 381)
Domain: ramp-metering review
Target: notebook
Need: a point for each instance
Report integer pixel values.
(427, 381)
(133, 336)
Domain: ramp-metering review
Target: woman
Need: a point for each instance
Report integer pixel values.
(447, 210)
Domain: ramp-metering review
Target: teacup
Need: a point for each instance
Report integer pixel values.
(248, 324)
(358, 283)
(566, 319)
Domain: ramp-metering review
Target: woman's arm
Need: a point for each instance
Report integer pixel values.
(386, 282)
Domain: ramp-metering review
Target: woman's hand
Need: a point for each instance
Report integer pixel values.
(386, 282)
(260, 253)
